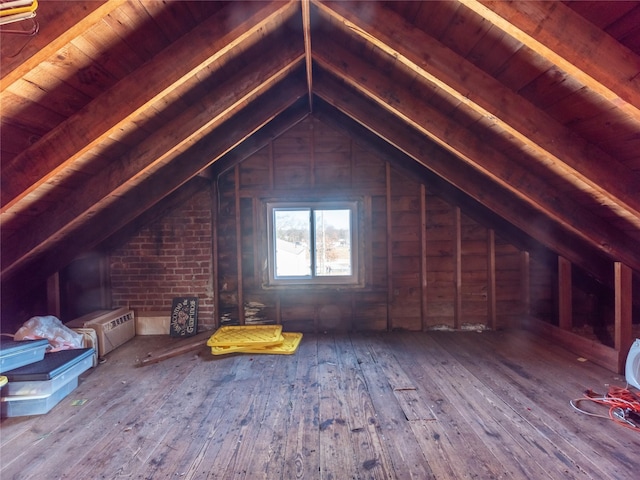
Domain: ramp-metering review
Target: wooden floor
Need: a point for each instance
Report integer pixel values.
(403, 405)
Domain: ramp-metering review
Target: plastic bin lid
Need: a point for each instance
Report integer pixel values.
(53, 364)
(288, 346)
(9, 346)
(251, 335)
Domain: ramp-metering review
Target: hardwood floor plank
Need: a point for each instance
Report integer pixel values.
(484, 413)
(403, 388)
(111, 400)
(433, 405)
(521, 383)
(140, 443)
(371, 456)
(443, 440)
(548, 368)
(262, 457)
(406, 456)
(337, 456)
(225, 429)
(233, 462)
(302, 452)
(122, 450)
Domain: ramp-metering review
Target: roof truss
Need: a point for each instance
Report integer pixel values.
(411, 84)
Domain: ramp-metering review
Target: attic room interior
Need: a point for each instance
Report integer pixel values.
(485, 274)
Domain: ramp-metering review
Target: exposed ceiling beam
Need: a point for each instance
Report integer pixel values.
(212, 40)
(555, 146)
(64, 21)
(479, 187)
(149, 156)
(572, 43)
(473, 150)
(162, 183)
(580, 252)
(306, 28)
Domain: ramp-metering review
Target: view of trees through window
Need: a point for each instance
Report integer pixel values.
(312, 240)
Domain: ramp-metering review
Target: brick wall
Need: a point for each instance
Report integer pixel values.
(170, 258)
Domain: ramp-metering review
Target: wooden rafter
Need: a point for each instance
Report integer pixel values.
(495, 196)
(152, 154)
(473, 150)
(208, 43)
(306, 27)
(572, 43)
(404, 146)
(584, 165)
(65, 21)
(162, 183)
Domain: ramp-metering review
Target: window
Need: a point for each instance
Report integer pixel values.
(312, 243)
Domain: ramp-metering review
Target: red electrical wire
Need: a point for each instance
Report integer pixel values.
(622, 403)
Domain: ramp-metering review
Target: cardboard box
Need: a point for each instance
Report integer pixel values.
(89, 340)
(152, 323)
(113, 327)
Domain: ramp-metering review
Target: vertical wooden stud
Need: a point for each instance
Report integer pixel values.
(240, 285)
(368, 247)
(565, 312)
(312, 156)
(491, 278)
(351, 163)
(623, 311)
(257, 252)
(457, 268)
(352, 303)
(423, 256)
(525, 282)
(53, 295)
(271, 166)
(390, 293)
(214, 254)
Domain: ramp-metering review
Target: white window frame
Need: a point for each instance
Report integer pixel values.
(313, 279)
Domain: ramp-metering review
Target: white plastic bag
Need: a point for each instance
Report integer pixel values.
(52, 329)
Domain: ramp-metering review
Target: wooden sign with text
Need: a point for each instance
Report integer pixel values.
(184, 317)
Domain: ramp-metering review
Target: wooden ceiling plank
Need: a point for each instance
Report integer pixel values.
(99, 39)
(66, 101)
(204, 45)
(134, 203)
(125, 174)
(132, 25)
(72, 65)
(470, 148)
(554, 145)
(571, 42)
(437, 126)
(60, 22)
(517, 210)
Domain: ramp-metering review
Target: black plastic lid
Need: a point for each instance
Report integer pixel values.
(54, 364)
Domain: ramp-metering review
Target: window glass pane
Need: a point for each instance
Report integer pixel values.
(292, 235)
(332, 242)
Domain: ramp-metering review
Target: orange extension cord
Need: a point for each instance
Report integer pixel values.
(624, 406)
